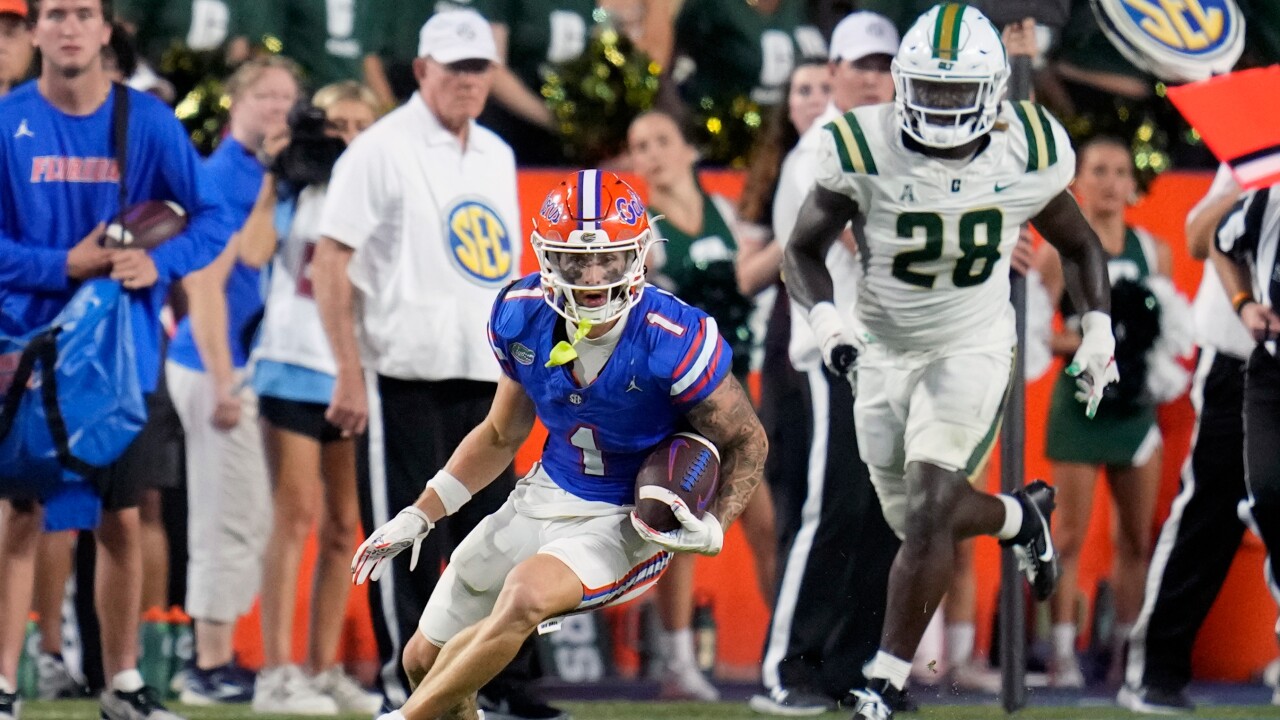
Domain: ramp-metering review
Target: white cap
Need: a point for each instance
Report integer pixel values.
(861, 34)
(455, 35)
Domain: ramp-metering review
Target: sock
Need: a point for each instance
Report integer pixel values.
(5, 685)
(127, 681)
(960, 643)
(397, 715)
(680, 653)
(1012, 517)
(888, 667)
(1120, 635)
(1064, 639)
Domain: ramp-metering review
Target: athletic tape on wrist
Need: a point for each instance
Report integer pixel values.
(825, 321)
(452, 493)
(1095, 321)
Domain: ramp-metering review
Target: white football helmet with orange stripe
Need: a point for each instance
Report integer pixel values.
(592, 237)
(950, 74)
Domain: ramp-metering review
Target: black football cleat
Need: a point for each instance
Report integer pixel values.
(1033, 545)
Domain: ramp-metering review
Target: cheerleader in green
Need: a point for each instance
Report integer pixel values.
(695, 263)
(1123, 438)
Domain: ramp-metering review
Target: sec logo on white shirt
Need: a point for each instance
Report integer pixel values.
(479, 243)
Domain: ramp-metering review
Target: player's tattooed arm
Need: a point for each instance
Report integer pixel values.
(727, 418)
(1084, 262)
(804, 264)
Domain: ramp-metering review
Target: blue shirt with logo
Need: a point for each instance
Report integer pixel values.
(60, 179)
(669, 358)
(239, 174)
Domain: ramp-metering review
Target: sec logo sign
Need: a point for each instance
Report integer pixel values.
(479, 243)
(1175, 40)
(1197, 26)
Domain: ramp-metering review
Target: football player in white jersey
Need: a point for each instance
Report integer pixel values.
(938, 184)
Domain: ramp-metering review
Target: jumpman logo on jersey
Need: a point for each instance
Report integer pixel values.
(633, 386)
(23, 130)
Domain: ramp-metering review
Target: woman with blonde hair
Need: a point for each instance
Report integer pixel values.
(228, 517)
(311, 463)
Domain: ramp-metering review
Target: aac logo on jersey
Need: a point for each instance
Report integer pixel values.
(479, 243)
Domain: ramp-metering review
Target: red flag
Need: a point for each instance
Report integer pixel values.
(1238, 116)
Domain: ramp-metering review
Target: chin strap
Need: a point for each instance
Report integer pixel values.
(564, 352)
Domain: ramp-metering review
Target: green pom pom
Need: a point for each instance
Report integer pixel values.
(595, 96)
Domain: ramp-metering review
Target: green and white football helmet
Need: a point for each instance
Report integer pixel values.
(950, 75)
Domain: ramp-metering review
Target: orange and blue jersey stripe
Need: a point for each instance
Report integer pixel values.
(646, 573)
(703, 363)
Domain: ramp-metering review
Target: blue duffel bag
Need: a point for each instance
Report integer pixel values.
(72, 398)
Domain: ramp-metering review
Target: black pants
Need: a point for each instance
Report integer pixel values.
(836, 551)
(1201, 535)
(1262, 450)
(420, 425)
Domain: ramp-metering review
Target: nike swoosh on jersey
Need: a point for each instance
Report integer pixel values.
(1002, 188)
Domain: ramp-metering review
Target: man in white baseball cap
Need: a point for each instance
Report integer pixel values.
(419, 233)
(807, 666)
(862, 47)
(452, 36)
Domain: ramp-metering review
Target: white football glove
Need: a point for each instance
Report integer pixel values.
(839, 350)
(703, 536)
(1094, 364)
(407, 528)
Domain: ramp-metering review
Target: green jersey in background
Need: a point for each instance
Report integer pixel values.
(319, 34)
(197, 24)
(540, 32)
(728, 48)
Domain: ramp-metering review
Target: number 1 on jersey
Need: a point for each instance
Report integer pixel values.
(584, 438)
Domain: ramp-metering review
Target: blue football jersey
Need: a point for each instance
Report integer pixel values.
(59, 178)
(670, 357)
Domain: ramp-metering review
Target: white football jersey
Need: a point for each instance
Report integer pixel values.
(938, 235)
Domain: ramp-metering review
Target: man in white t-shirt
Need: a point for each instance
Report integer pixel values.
(419, 233)
(825, 576)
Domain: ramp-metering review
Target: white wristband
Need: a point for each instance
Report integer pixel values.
(825, 321)
(452, 493)
(1095, 321)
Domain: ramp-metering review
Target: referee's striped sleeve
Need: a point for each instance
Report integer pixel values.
(1240, 231)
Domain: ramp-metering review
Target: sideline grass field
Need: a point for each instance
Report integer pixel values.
(88, 710)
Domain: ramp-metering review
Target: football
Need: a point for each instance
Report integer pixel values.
(688, 465)
(146, 225)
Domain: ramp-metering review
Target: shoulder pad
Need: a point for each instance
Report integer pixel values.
(851, 145)
(1042, 146)
(513, 306)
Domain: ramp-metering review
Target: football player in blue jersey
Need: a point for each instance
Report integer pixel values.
(610, 366)
(59, 187)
